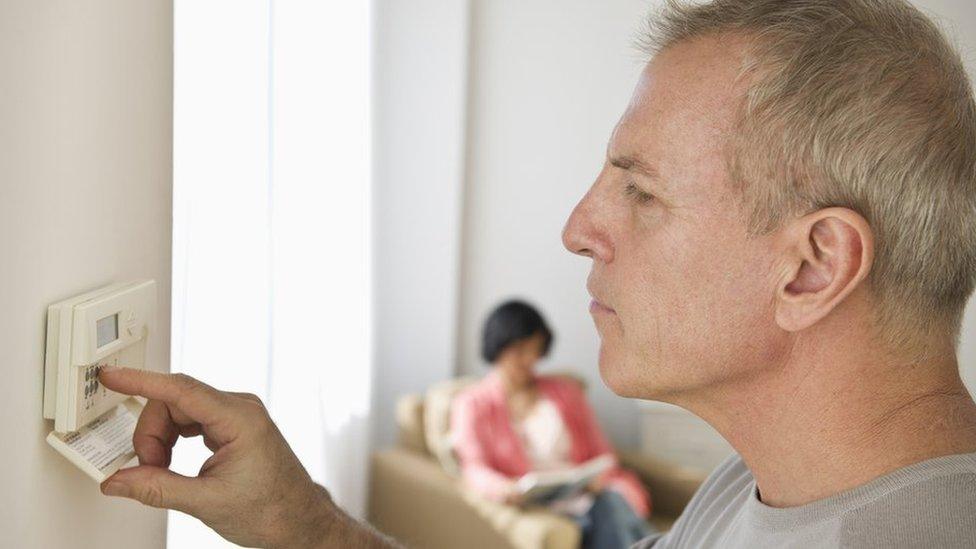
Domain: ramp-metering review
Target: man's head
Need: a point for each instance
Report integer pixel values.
(784, 169)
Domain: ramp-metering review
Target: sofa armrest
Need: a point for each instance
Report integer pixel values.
(526, 528)
(410, 423)
(671, 486)
(412, 499)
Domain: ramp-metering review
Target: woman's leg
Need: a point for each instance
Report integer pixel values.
(612, 523)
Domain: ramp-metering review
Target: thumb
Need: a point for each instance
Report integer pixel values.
(156, 487)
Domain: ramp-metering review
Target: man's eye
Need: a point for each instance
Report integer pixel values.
(637, 195)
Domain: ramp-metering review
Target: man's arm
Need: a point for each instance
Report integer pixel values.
(252, 490)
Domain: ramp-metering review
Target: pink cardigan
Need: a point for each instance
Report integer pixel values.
(492, 456)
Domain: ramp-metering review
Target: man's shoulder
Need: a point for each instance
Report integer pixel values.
(939, 485)
(716, 500)
(724, 491)
(933, 504)
(730, 473)
(926, 504)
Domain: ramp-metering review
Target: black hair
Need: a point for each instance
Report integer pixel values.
(509, 323)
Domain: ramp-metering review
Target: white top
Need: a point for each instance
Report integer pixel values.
(545, 437)
(548, 446)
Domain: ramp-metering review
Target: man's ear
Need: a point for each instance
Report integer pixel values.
(828, 254)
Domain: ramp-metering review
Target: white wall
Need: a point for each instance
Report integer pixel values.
(549, 79)
(85, 175)
(420, 67)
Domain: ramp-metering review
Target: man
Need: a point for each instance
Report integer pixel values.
(782, 241)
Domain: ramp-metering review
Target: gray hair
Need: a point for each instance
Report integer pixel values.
(861, 104)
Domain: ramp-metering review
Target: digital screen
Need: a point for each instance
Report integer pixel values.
(107, 330)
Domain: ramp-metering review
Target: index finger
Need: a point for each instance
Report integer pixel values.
(197, 400)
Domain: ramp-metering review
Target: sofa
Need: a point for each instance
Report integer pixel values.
(416, 496)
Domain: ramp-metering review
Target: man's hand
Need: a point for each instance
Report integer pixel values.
(252, 490)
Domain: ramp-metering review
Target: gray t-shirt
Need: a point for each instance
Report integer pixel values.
(928, 504)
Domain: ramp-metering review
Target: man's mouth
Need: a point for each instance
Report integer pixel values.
(598, 308)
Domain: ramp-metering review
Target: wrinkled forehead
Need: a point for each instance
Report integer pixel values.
(685, 99)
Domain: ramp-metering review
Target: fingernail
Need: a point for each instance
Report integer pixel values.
(107, 368)
(115, 489)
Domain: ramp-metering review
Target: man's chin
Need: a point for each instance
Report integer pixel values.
(632, 377)
(614, 373)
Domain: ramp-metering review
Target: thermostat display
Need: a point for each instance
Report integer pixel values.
(107, 329)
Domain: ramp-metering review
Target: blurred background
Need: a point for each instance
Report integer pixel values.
(331, 196)
(397, 170)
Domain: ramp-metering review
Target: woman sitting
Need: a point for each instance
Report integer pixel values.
(515, 421)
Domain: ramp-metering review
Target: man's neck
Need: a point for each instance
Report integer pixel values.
(819, 424)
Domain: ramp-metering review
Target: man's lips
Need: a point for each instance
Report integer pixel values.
(598, 308)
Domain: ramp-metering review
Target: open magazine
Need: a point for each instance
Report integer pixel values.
(547, 486)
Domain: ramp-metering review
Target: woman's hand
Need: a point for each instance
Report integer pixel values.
(597, 484)
(514, 496)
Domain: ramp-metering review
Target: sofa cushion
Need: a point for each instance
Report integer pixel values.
(415, 501)
(437, 420)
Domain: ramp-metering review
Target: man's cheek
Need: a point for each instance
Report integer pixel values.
(642, 332)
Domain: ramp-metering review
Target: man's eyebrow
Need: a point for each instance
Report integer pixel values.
(632, 163)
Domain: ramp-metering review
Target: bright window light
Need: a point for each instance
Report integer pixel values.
(271, 243)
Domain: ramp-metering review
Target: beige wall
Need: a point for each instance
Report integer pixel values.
(548, 80)
(85, 199)
(420, 71)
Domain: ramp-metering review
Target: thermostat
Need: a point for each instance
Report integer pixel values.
(93, 426)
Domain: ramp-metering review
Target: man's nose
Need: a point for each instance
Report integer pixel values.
(583, 234)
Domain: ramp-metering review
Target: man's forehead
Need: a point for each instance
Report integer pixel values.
(685, 93)
(700, 75)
